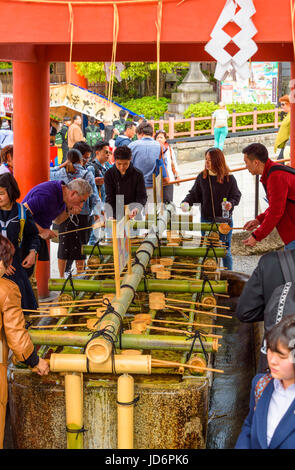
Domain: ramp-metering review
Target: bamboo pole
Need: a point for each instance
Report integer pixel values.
(198, 311)
(56, 325)
(44, 349)
(138, 364)
(125, 396)
(99, 349)
(149, 342)
(180, 225)
(160, 363)
(153, 285)
(198, 252)
(74, 409)
(60, 315)
(76, 303)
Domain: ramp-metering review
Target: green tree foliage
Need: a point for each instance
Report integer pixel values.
(94, 71)
(133, 75)
(5, 65)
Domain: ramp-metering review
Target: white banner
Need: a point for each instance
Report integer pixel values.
(243, 39)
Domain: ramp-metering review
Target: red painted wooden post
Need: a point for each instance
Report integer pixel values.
(255, 119)
(234, 121)
(192, 125)
(292, 125)
(276, 117)
(171, 127)
(31, 137)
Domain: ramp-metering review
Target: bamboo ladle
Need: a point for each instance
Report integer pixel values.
(174, 330)
(172, 307)
(195, 303)
(185, 323)
(93, 226)
(224, 229)
(160, 363)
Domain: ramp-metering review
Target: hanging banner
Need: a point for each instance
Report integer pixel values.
(83, 101)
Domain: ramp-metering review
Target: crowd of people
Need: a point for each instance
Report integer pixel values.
(109, 166)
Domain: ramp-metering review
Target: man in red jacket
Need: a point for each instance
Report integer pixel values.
(279, 182)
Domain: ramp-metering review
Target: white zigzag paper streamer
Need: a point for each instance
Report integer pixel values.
(119, 68)
(243, 39)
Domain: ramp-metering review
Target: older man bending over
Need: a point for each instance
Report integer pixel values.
(54, 201)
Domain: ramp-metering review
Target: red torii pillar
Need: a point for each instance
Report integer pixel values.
(292, 124)
(31, 136)
(73, 76)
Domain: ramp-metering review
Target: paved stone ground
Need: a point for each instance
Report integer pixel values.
(242, 213)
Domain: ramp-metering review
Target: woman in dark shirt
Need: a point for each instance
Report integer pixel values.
(212, 185)
(18, 226)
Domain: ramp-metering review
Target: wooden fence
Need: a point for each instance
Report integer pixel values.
(169, 125)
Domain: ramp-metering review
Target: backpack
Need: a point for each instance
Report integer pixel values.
(58, 138)
(120, 126)
(22, 215)
(92, 135)
(281, 167)
(61, 137)
(282, 301)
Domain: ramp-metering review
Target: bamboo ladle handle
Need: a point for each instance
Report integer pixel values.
(93, 226)
(224, 229)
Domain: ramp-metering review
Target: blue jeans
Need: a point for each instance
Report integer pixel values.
(290, 246)
(227, 260)
(220, 134)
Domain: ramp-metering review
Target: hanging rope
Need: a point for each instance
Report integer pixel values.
(71, 31)
(292, 6)
(114, 52)
(159, 28)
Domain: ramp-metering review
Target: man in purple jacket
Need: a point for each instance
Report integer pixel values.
(54, 201)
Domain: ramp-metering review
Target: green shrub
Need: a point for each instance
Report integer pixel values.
(148, 106)
(207, 108)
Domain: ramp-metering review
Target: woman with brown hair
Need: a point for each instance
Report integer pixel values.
(212, 186)
(284, 132)
(6, 158)
(169, 158)
(13, 334)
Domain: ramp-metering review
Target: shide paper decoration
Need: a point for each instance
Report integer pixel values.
(239, 12)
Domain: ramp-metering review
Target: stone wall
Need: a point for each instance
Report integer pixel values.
(194, 151)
